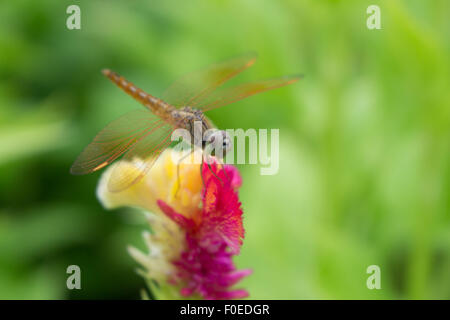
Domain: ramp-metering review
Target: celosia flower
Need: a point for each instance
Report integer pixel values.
(196, 226)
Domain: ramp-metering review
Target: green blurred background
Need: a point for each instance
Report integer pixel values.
(365, 155)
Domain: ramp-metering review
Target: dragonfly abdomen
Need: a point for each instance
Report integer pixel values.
(157, 106)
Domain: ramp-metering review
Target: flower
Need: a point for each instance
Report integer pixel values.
(196, 221)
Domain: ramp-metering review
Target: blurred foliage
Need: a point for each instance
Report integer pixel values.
(364, 167)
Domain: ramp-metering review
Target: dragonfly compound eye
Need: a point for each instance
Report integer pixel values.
(226, 141)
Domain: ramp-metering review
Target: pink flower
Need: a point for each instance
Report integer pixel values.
(213, 235)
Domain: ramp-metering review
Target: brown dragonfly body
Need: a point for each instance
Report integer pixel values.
(142, 135)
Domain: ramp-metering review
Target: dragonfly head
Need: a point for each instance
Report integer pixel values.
(217, 142)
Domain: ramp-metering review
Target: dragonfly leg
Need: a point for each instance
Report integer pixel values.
(215, 175)
(210, 169)
(178, 171)
(201, 172)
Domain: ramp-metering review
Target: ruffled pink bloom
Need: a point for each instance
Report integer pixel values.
(213, 236)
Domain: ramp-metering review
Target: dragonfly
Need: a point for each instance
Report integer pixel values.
(145, 133)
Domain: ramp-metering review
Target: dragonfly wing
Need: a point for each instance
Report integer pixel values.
(194, 87)
(115, 139)
(229, 95)
(139, 159)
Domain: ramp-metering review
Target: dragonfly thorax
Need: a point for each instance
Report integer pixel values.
(187, 116)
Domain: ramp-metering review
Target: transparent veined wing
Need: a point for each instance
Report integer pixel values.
(226, 96)
(117, 138)
(139, 159)
(194, 87)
